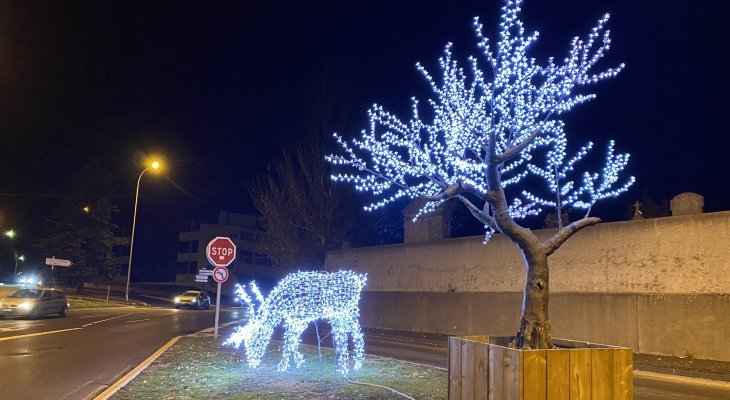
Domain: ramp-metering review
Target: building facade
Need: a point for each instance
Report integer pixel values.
(240, 228)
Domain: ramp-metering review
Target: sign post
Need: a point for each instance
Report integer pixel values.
(221, 252)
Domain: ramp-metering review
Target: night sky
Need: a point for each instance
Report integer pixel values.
(220, 88)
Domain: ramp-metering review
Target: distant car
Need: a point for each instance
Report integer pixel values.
(193, 299)
(34, 302)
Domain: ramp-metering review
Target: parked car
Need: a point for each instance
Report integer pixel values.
(193, 299)
(34, 302)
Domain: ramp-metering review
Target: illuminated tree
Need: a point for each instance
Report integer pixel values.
(488, 130)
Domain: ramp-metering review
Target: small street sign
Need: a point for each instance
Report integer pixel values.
(205, 277)
(206, 272)
(220, 274)
(221, 251)
(202, 280)
(57, 262)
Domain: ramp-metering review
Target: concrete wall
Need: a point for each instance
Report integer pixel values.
(660, 286)
(686, 254)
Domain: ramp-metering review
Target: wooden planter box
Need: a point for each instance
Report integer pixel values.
(484, 367)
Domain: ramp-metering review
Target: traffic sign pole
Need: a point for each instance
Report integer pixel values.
(217, 310)
(221, 251)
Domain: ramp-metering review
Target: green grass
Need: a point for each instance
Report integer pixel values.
(78, 303)
(198, 368)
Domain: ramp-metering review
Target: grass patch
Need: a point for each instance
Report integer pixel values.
(198, 368)
(78, 303)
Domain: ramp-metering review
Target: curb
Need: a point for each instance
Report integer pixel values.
(220, 326)
(682, 384)
(111, 390)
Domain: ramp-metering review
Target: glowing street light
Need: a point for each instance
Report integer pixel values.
(10, 233)
(18, 258)
(155, 165)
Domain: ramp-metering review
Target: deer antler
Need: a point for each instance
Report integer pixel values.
(257, 293)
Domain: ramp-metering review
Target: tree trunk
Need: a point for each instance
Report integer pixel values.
(80, 286)
(535, 331)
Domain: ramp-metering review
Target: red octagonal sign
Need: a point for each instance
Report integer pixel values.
(221, 252)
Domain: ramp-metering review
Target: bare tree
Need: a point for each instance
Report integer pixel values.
(303, 213)
(489, 130)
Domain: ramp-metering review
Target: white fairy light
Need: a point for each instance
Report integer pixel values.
(297, 300)
(500, 116)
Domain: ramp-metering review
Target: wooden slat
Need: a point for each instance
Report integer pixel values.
(480, 378)
(558, 374)
(580, 374)
(467, 369)
(496, 372)
(602, 374)
(455, 368)
(534, 374)
(512, 388)
(623, 374)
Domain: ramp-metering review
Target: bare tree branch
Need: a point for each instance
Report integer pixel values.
(516, 150)
(559, 238)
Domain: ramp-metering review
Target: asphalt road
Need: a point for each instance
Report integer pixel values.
(78, 356)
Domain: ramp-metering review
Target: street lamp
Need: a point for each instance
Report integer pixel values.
(155, 165)
(18, 258)
(10, 233)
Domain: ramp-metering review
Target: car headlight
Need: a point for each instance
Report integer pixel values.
(26, 305)
(176, 299)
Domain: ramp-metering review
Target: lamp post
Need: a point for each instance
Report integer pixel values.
(18, 258)
(154, 165)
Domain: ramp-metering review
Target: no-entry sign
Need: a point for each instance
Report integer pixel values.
(221, 251)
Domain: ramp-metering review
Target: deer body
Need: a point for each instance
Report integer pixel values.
(299, 299)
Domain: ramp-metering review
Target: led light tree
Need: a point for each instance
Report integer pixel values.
(489, 130)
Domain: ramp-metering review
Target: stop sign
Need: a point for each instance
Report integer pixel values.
(221, 251)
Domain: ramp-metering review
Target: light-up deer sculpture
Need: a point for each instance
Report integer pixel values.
(297, 300)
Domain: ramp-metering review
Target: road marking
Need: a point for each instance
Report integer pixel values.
(138, 320)
(94, 316)
(133, 373)
(104, 320)
(12, 328)
(37, 334)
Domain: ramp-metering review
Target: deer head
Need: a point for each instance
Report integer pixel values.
(254, 334)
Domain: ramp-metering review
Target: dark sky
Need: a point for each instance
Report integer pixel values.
(219, 88)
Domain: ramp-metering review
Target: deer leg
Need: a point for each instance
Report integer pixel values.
(339, 336)
(292, 333)
(358, 343)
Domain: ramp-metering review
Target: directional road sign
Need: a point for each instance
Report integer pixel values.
(57, 262)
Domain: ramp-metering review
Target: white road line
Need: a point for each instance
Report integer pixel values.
(138, 320)
(17, 327)
(103, 320)
(37, 334)
(93, 316)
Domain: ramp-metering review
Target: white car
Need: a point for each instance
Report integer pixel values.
(34, 302)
